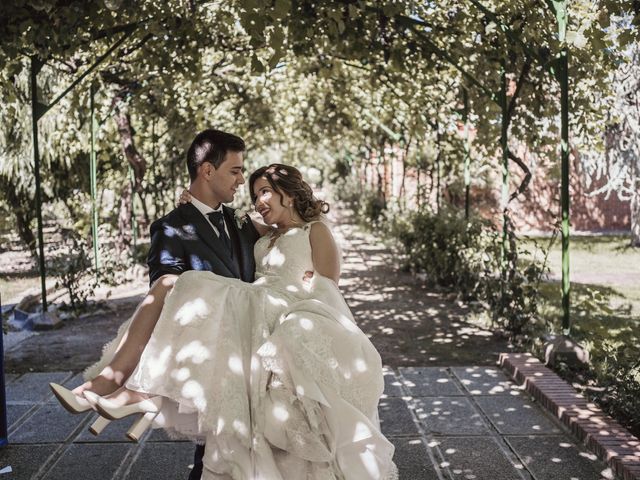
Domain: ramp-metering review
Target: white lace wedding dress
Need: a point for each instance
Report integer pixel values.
(274, 376)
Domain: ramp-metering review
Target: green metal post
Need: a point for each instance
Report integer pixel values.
(36, 66)
(134, 223)
(505, 166)
(94, 182)
(564, 118)
(562, 75)
(467, 152)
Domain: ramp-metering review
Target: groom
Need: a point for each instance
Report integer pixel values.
(205, 234)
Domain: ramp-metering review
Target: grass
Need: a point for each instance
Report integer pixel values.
(605, 318)
(605, 266)
(605, 289)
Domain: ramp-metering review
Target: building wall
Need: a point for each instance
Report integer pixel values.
(537, 210)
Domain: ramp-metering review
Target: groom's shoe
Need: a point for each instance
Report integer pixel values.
(148, 408)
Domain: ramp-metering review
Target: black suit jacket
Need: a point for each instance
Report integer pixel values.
(184, 240)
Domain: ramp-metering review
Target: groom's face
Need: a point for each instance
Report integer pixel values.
(225, 180)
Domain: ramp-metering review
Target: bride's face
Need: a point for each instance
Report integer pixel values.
(270, 203)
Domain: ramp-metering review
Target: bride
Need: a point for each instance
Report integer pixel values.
(274, 376)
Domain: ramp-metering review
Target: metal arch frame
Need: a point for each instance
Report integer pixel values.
(38, 110)
(559, 70)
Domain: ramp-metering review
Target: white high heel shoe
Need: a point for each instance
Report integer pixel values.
(76, 404)
(70, 401)
(148, 408)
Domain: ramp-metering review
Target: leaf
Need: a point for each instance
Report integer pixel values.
(281, 8)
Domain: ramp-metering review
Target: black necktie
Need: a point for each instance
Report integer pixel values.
(217, 218)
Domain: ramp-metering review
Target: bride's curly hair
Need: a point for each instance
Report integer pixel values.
(288, 180)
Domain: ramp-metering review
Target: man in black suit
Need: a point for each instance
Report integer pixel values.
(205, 234)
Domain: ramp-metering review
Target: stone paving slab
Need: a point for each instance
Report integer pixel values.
(162, 461)
(557, 457)
(90, 461)
(429, 382)
(485, 381)
(517, 415)
(49, 424)
(450, 416)
(159, 435)
(463, 435)
(25, 460)
(34, 387)
(392, 384)
(396, 418)
(15, 413)
(412, 459)
(477, 458)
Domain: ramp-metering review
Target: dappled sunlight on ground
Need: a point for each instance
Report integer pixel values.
(409, 324)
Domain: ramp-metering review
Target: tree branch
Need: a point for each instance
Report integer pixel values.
(527, 175)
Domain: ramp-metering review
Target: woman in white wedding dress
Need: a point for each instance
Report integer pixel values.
(274, 376)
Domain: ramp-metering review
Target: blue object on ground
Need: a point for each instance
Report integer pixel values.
(21, 320)
(3, 396)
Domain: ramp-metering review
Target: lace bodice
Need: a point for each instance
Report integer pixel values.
(286, 256)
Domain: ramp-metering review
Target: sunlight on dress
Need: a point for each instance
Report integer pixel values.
(275, 376)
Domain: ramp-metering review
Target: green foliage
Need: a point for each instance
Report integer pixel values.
(464, 255)
(446, 249)
(371, 208)
(616, 366)
(514, 299)
(73, 271)
(607, 327)
(74, 268)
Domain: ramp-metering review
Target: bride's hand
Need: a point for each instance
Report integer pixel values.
(185, 197)
(308, 275)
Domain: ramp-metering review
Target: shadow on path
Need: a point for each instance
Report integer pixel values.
(409, 324)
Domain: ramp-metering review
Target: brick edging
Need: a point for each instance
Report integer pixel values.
(599, 432)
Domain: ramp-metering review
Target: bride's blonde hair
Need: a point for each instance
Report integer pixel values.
(288, 180)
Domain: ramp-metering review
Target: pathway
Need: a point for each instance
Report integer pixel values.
(450, 412)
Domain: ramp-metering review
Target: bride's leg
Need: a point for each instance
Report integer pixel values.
(128, 353)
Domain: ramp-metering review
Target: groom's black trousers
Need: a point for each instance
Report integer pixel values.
(196, 473)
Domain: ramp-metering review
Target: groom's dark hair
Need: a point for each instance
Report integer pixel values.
(211, 146)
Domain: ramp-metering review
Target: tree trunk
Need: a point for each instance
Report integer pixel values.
(24, 212)
(125, 228)
(25, 233)
(131, 153)
(139, 166)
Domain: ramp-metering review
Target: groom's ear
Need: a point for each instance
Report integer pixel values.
(207, 169)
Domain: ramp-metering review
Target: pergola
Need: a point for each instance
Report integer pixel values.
(557, 68)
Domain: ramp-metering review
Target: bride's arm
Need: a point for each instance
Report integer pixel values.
(324, 251)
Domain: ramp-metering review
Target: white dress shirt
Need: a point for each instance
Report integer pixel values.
(205, 209)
